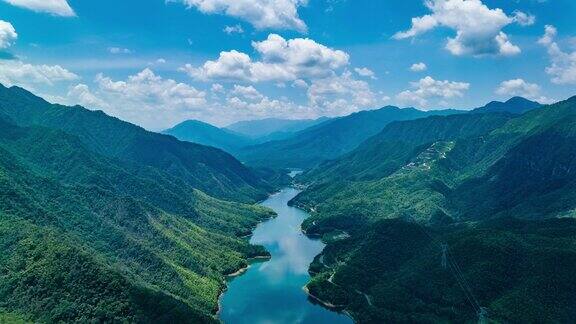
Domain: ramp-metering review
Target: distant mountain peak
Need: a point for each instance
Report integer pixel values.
(514, 105)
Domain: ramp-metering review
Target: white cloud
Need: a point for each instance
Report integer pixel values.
(144, 98)
(428, 88)
(563, 64)
(156, 103)
(340, 94)
(300, 84)
(418, 67)
(54, 7)
(248, 92)
(237, 29)
(7, 34)
(478, 28)
(14, 72)
(281, 60)
(519, 87)
(262, 14)
(81, 94)
(119, 50)
(524, 19)
(365, 72)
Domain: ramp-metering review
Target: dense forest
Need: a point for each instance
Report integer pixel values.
(491, 193)
(437, 217)
(101, 221)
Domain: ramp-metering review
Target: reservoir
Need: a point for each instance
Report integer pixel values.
(271, 291)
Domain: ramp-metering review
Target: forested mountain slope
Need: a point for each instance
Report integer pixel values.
(497, 188)
(327, 140)
(205, 168)
(91, 238)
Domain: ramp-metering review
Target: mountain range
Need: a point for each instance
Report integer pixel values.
(102, 221)
(427, 216)
(276, 143)
(491, 194)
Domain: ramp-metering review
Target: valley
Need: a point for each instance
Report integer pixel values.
(287, 161)
(393, 229)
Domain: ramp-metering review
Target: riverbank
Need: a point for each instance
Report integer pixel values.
(272, 291)
(245, 268)
(328, 305)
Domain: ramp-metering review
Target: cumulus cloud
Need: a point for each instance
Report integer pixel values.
(519, 87)
(237, 29)
(248, 92)
(81, 94)
(365, 72)
(562, 67)
(54, 7)
(7, 34)
(262, 14)
(144, 98)
(478, 28)
(14, 72)
(418, 67)
(340, 94)
(281, 60)
(428, 88)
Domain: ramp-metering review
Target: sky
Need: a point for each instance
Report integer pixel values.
(159, 62)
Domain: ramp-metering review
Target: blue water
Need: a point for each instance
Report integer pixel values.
(271, 292)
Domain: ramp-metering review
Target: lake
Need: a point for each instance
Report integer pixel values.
(271, 291)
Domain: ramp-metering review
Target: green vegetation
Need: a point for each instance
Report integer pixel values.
(328, 140)
(95, 229)
(521, 271)
(497, 188)
(208, 169)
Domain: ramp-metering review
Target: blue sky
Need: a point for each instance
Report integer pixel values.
(157, 62)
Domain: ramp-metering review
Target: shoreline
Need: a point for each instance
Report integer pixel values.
(334, 308)
(243, 270)
(229, 277)
(239, 272)
(322, 302)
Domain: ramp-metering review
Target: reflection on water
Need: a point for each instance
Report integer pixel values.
(271, 292)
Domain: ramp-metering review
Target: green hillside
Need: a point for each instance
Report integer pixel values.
(486, 184)
(327, 140)
(92, 238)
(205, 168)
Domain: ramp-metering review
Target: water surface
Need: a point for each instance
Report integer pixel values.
(271, 292)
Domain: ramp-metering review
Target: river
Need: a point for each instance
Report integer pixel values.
(271, 291)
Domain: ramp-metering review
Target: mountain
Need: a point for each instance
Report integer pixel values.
(494, 190)
(208, 169)
(327, 140)
(384, 153)
(90, 236)
(202, 133)
(516, 105)
(272, 128)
